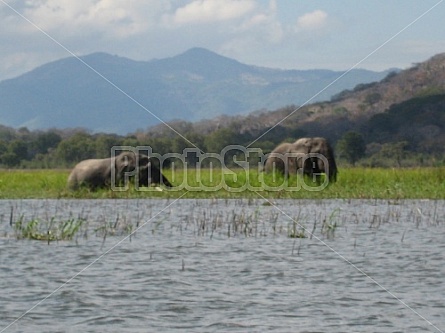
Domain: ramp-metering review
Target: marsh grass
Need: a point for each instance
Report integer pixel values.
(353, 183)
(297, 231)
(330, 224)
(229, 219)
(69, 229)
(49, 231)
(206, 223)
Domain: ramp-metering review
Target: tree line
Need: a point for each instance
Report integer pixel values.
(54, 148)
(411, 133)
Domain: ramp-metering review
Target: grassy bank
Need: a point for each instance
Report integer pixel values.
(427, 183)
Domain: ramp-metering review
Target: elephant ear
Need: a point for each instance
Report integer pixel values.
(126, 162)
(125, 165)
(315, 146)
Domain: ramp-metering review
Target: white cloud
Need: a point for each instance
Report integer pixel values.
(312, 21)
(208, 11)
(257, 33)
(264, 32)
(262, 27)
(106, 17)
(141, 30)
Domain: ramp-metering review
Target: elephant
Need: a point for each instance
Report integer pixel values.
(101, 173)
(302, 155)
(315, 165)
(278, 159)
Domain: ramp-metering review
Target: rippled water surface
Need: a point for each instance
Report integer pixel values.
(226, 266)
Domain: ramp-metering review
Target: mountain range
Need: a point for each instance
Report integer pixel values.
(406, 108)
(108, 93)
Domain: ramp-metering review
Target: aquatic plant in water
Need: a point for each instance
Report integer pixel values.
(51, 230)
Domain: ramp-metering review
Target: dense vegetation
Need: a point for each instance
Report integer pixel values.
(411, 133)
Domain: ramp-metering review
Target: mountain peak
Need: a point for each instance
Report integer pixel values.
(199, 51)
(199, 57)
(194, 85)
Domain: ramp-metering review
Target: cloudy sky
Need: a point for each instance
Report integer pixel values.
(287, 34)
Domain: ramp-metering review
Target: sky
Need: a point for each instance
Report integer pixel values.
(287, 34)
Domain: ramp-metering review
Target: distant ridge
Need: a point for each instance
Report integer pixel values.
(194, 85)
(405, 108)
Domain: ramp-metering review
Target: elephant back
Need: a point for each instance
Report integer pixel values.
(303, 145)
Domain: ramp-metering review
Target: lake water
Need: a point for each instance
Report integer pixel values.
(226, 266)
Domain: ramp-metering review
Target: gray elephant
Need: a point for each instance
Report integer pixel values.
(303, 154)
(278, 160)
(99, 173)
(320, 152)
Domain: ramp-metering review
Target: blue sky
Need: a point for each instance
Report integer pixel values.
(291, 34)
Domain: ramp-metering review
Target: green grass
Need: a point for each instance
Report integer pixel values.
(415, 183)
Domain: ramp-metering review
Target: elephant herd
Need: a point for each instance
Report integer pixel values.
(310, 156)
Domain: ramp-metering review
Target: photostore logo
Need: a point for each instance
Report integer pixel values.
(235, 169)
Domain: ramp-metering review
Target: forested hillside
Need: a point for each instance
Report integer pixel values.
(399, 121)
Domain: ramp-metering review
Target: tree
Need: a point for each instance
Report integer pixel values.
(373, 98)
(9, 159)
(15, 152)
(76, 148)
(45, 141)
(3, 147)
(351, 147)
(395, 151)
(103, 144)
(130, 141)
(220, 139)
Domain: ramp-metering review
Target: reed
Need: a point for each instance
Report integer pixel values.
(245, 219)
(52, 230)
